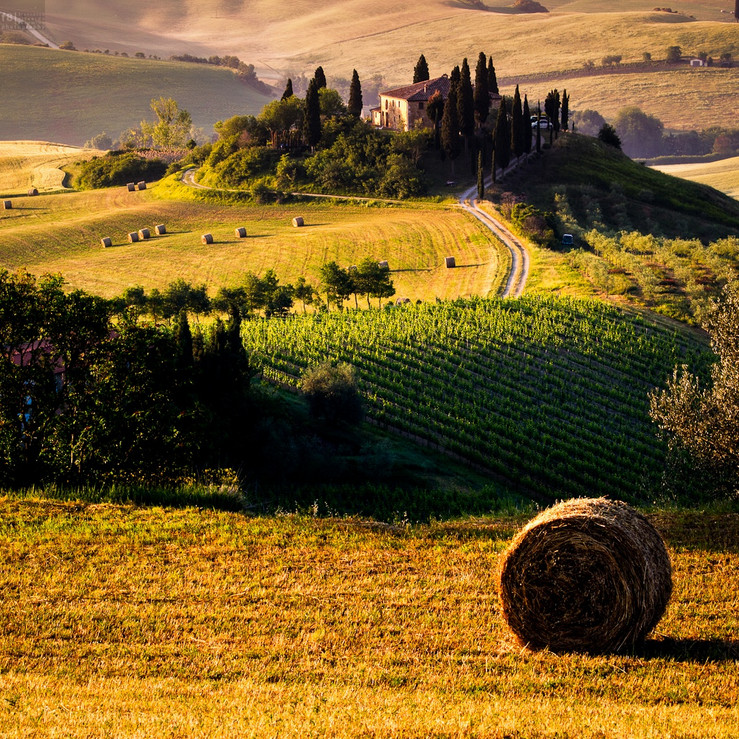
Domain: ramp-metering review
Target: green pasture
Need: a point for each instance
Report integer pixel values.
(61, 233)
(69, 97)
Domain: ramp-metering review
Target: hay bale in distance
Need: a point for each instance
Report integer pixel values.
(298, 221)
(8, 204)
(402, 301)
(106, 241)
(131, 186)
(587, 575)
(161, 229)
(144, 234)
(240, 232)
(133, 237)
(141, 185)
(450, 262)
(32, 192)
(207, 238)
(383, 265)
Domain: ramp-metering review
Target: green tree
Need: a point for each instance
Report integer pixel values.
(492, 78)
(332, 393)
(320, 78)
(481, 93)
(336, 283)
(435, 111)
(304, 292)
(641, 134)
(674, 54)
(518, 132)
(421, 70)
(172, 127)
(282, 119)
(312, 122)
(450, 140)
(355, 96)
(705, 421)
(372, 280)
(466, 104)
(502, 138)
(288, 90)
(608, 135)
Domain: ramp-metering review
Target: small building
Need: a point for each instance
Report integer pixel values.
(698, 63)
(405, 108)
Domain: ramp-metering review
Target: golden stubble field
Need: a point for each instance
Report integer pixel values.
(61, 234)
(159, 622)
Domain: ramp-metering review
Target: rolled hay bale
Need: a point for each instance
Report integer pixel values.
(207, 238)
(587, 575)
(32, 192)
(144, 234)
(383, 265)
(298, 221)
(7, 204)
(160, 229)
(133, 237)
(106, 241)
(450, 262)
(131, 186)
(141, 185)
(240, 232)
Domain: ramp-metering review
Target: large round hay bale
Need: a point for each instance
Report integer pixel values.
(589, 575)
(133, 237)
(144, 233)
(298, 221)
(106, 241)
(32, 192)
(141, 185)
(240, 232)
(161, 229)
(450, 262)
(384, 265)
(207, 238)
(8, 204)
(131, 186)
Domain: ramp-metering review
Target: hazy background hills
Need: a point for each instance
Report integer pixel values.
(381, 39)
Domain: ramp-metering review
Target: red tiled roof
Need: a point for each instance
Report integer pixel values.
(420, 91)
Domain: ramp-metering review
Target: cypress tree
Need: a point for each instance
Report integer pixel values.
(736, 11)
(492, 79)
(482, 95)
(538, 127)
(480, 177)
(450, 140)
(466, 104)
(421, 70)
(565, 111)
(320, 78)
(312, 121)
(528, 131)
(288, 90)
(355, 96)
(183, 340)
(502, 137)
(517, 130)
(455, 76)
(551, 108)
(435, 110)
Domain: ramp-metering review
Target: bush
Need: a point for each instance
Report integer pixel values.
(117, 168)
(332, 393)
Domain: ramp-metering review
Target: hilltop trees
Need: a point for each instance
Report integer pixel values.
(465, 104)
(482, 92)
(641, 134)
(421, 70)
(551, 108)
(312, 119)
(492, 79)
(354, 106)
(450, 141)
(501, 139)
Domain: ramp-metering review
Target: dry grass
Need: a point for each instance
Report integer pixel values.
(26, 164)
(414, 240)
(136, 622)
(722, 175)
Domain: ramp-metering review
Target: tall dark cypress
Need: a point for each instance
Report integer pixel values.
(551, 108)
(528, 131)
(502, 137)
(421, 70)
(480, 176)
(312, 120)
(455, 76)
(492, 79)
(450, 140)
(565, 115)
(517, 130)
(288, 90)
(482, 94)
(538, 127)
(466, 103)
(320, 78)
(355, 96)
(736, 11)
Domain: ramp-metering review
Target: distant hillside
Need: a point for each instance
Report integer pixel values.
(69, 97)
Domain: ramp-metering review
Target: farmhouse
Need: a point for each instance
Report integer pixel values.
(405, 108)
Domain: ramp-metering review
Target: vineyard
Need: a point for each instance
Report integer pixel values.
(547, 394)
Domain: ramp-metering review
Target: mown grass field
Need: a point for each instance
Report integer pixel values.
(162, 622)
(26, 164)
(722, 175)
(61, 233)
(69, 97)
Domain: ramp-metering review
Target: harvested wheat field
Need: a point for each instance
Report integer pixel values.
(165, 622)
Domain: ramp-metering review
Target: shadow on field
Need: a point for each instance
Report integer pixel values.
(690, 650)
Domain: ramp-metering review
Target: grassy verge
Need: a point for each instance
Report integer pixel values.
(169, 622)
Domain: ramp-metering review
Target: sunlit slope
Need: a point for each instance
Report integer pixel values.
(37, 164)
(722, 175)
(69, 97)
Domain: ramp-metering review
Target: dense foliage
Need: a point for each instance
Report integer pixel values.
(118, 168)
